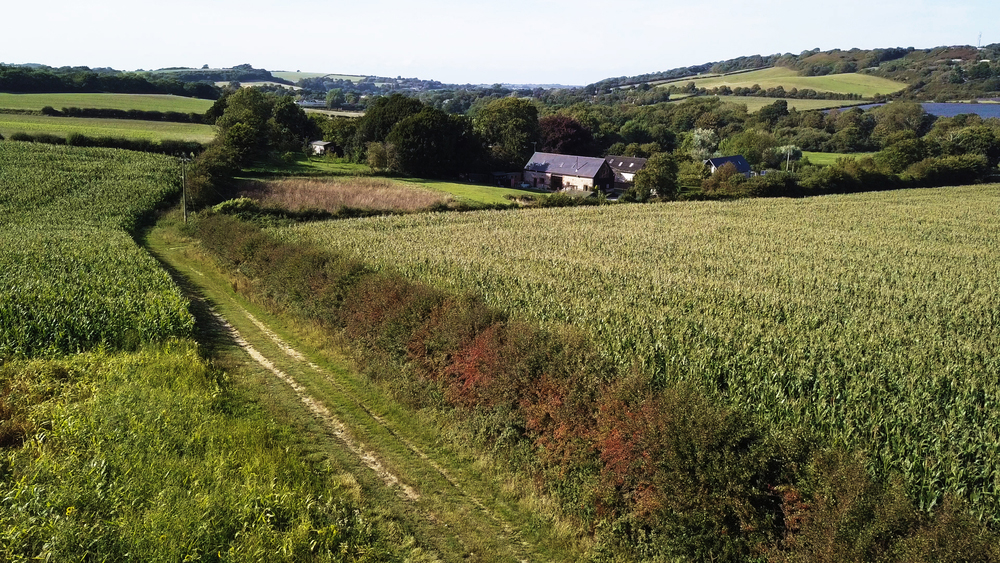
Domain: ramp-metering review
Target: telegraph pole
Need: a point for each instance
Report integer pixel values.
(184, 160)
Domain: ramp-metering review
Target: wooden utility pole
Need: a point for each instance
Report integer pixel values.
(184, 160)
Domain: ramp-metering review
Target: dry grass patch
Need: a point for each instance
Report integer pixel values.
(298, 194)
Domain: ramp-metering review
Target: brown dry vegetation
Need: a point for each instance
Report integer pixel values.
(297, 194)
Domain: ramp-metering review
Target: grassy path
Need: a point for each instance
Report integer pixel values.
(455, 507)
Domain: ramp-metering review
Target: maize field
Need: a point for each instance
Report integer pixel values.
(869, 322)
(71, 276)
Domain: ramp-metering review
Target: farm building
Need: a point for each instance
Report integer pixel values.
(322, 147)
(567, 172)
(625, 168)
(742, 166)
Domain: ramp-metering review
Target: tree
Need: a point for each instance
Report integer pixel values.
(508, 126)
(769, 115)
(753, 144)
(335, 98)
(562, 134)
(382, 115)
(433, 144)
(657, 178)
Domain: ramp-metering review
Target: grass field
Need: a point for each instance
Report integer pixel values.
(144, 102)
(93, 127)
(853, 83)
(336, 112)
(828, 158)
(470, 193)
(296, 76)
(865, 321)
(754, 103)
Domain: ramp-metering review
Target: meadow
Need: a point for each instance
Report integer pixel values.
(296, 76)
(754, 103)
(94, 127)
(144, 102)
(828, 158)
(866, 322)
(850, 83)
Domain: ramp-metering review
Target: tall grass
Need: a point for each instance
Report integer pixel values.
(155, 456)
(299, 194)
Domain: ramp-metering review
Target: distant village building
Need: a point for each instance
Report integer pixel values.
(566, 172)
(321, 147)
(625, 168)
(742, 166)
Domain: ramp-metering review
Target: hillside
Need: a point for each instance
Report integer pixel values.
(940, 73)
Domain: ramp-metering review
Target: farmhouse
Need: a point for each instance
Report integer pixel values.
(625, 168)
(321, 147)
(742, 166)
(567, 172)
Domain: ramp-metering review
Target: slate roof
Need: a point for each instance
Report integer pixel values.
(626, 164)
(564, 165)
(742, 166)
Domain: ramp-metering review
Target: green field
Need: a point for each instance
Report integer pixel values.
(94, 127)
(828, 158)
(863, 321)
(296, 76)
(853, 83)
(754, 103)
(144, 102)
(470, 193)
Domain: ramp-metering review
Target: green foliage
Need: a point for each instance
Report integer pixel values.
(508, 126)
(433, 144)
(657, 178)
(155, 456)
(755, 145)
(71, 277)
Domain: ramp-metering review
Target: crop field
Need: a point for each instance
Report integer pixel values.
(851, 83)
(865, 321)
(71, 277)
(144, 102)
(95, 127)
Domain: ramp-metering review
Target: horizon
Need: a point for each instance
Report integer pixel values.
(523, 43)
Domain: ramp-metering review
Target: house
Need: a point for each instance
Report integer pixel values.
(567, 172)
(322, 147)
(742, 166)
(624, 168)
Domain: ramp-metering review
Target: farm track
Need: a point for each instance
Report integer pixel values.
(457, 513)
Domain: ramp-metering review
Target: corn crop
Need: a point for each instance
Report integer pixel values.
(866, 321)
(71, 276)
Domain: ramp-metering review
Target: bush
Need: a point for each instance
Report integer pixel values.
(946, 170)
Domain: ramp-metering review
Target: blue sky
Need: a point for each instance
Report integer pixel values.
(517, 41)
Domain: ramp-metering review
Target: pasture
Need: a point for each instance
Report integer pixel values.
(296, 76)
(852, 83)
(99, 127)
(754, 103)
(143, 102)
(864, 321)
(828, 158)
(468, 193)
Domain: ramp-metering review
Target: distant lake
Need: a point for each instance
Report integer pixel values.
(951, 110)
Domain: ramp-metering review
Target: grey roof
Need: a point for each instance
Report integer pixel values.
(320, 143)
(742, 166)
(565, 165)
(626, 164)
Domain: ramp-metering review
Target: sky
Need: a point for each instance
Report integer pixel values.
(517, 41)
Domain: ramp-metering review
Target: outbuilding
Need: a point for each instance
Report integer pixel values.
(741, 164)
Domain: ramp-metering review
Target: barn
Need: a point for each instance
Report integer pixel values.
(567, 172)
